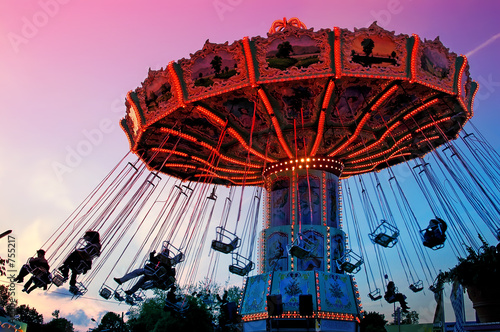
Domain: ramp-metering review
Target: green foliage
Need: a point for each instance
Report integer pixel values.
(203, 314)
(207, 81)
(59, 325)
(226, 74)
(407, 318)
(111, 322)
(216, 64)
(284, 50)
(29, 315)
(481, 268)
(368, 45)
(373, 322)
(281, 63)
(6, 301)
(306, 62)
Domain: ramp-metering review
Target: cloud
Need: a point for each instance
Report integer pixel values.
(79, 318)
(483, 45)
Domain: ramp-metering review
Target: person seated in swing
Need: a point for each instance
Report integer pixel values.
(172, 298)
(156, 262)
(80, 260)
(40, 267)
(434, 234)
(392, 296)
(40, 279)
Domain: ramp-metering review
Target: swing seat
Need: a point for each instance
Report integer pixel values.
(119, 295)
(177, 259)
(168, 249)
(350, 262)
(86, 249)
(390, 298)
(105, 292)
(433, 238)
(417, 286)
(375, 295)
(165, 284)
(138, 296)
(154, 273)
(385, 235)
(302, 247)
(57, 278)
(41, 277)
(225, 241)
(130, 300)
(241, 265)
(78, 290)
(82, 267)
(178, 307)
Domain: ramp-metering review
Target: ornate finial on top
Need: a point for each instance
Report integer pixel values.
(279, 25)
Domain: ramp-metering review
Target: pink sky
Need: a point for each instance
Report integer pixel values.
(66, 66)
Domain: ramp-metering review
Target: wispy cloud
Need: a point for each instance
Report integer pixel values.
(483, 45)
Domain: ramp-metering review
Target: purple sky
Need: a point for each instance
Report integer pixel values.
(66, 66)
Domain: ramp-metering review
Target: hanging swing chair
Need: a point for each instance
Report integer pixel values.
(225, 241)
(350, 262)
(375, 295)
(385, 235)
(240, 265)
(173, 253)
(434, 235)
(302, 247)
(40, 278)
(417, 286)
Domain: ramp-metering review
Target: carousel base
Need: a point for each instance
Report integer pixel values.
(300, 301)
(298, 325)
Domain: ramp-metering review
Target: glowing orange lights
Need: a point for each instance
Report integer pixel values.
(319, 136)
(176, 83)
(413, 60)
(384, 97)
(328, 95)
(337, 55)
(319, 163)
(249, 59)
(353, 137)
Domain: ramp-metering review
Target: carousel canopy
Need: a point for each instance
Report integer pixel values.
(367, 99)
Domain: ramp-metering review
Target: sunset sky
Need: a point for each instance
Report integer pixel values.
(66, 65)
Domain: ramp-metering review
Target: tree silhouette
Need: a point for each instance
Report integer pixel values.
(284, 50)
(216, 64)
(111, 322)
(373, 322)
(368, 45)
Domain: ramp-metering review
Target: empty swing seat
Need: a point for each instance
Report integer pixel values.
(375, 295)
(302, 247)
(177, 259)
(170, 252)
(225, 241)
(350, 262)
(417, 286)
(57, 278)
(241, 265)
(105, 292)
(385, 235)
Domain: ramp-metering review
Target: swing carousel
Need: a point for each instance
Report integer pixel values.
(296, 129)
(293, 113)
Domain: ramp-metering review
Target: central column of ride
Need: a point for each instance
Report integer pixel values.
(302, 281)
